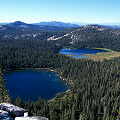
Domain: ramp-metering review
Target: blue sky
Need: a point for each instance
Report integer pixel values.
(87, 11)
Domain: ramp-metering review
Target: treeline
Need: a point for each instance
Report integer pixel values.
(4, 96)
(112, 43)
(16, 54)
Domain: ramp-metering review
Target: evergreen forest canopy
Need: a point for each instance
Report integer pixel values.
(94, 86)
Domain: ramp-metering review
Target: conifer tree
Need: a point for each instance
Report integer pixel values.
(3, 92)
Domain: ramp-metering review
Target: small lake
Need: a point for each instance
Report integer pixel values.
(80, 52)
(30, 84)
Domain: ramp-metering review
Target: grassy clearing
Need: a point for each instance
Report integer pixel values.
(104, 55)
(70, 55)
(61, 96)
(104, 49)
(101, 55)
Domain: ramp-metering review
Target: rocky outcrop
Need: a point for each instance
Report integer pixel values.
(4, 115)
(14, 111)
(31, 118)
(10, 112)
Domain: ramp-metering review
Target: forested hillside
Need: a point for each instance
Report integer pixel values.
(92, 36)
(94, 86)
(7, 32)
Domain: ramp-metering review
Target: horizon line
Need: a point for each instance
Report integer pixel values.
(112, 23)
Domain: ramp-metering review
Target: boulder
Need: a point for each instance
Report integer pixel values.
(31, 118)
(4, 115)
(14, 111)
(10, 112)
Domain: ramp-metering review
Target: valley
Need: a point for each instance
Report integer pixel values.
(94, 82)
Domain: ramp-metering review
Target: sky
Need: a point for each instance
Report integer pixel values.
(85, 11)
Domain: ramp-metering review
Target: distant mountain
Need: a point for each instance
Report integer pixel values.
(20, 24)
(4, 23)
(80, 23)
(112, 26)
(8, 32)
(109, 25)
(58, 24)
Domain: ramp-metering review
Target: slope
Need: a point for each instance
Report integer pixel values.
(20, 24)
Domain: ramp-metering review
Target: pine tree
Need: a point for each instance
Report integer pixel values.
(20, 102)
(3, 92)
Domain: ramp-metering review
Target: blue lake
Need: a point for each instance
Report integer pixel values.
(30, 84)
(80, 52)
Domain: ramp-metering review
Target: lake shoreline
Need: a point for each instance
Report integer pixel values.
(95, 54)
(41, 69)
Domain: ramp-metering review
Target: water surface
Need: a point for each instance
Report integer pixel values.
(80, 52)
(33, 83)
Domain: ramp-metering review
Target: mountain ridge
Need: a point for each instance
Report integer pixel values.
(19, 24)
(65, 25)
(58, 23)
